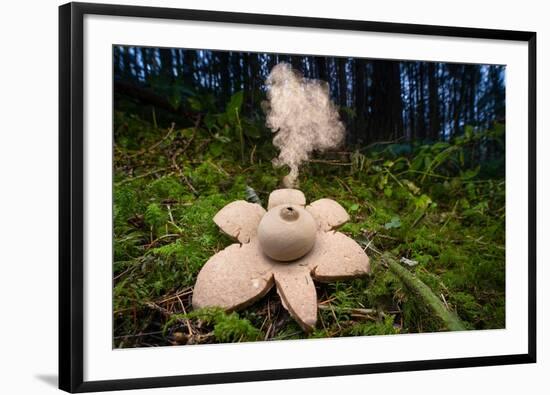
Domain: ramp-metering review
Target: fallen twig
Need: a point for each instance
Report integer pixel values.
(449, 318)
(352, 310)
(149, 173)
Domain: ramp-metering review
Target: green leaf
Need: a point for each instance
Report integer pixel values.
(471, 173)
(423, 201)
(417, 162)
(440, 145)
(234, 106)
(221, 120)
(394, 223)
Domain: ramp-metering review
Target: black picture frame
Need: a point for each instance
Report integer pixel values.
(71, 205)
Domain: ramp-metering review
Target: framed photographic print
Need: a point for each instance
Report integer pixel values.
(237, 188)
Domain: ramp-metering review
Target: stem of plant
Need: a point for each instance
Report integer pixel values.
(241, 136)
(450, 319)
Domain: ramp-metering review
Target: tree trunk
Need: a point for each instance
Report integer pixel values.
(342, 82)
(166, 63)
(360, 133)
(434, 117)
(236, 71)
(321, 63)
(225, 78)
(296, 62)
(386, 120)
(189, 59)
(421, 109)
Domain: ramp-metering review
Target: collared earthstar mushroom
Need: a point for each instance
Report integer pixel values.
(288, 246)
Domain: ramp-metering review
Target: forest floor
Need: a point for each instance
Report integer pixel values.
(424, 204)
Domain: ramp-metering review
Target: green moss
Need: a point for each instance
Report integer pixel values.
(384, 326)
(453, 227)
(155, 216)
(227, 327)
(174, 250)
(168, 187)
(125, 201)
(206, 177)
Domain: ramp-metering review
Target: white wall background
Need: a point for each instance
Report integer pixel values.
(28, 195)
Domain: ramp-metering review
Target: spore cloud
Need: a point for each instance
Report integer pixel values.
(302, 118)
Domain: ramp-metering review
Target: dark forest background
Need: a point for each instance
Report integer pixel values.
(421, 174)
(379, 100)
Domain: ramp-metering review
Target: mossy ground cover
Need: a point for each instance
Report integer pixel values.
(433, 204)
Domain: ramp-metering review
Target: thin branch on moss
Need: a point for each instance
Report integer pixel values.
(149, 173)
(449, 318)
